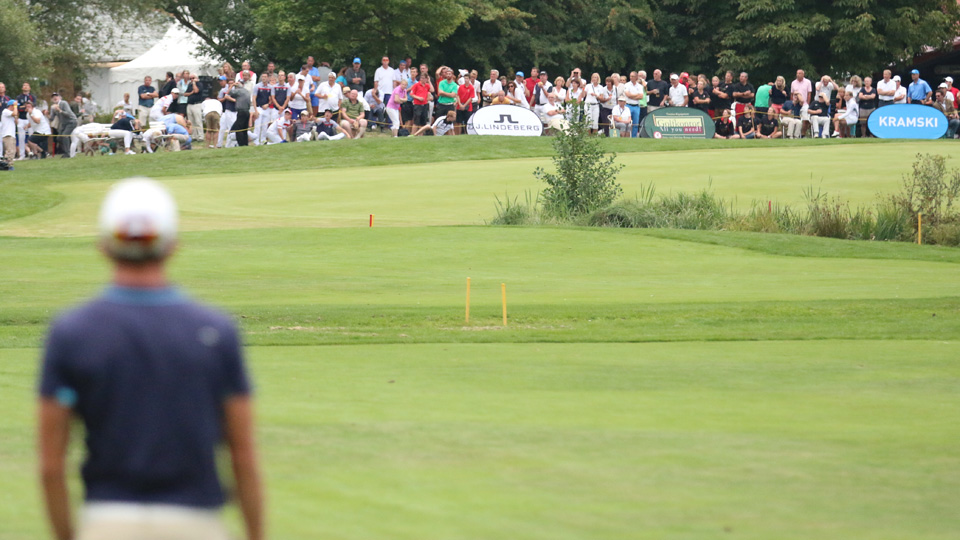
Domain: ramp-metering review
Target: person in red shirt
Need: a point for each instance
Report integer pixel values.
(531, 83)
(465, 95)
(421, 94)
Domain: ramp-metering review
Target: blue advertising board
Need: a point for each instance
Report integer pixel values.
(907, 121)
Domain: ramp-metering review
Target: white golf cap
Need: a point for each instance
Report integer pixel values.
(138, 220)
(674, 77)
(896, 78)
(943, 85)
(949, 79)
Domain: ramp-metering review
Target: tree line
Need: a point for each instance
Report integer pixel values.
(763, 37)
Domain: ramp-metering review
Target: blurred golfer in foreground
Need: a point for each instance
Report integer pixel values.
(158, 382)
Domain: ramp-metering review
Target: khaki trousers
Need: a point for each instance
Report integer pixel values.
(121, 521)
(9, 148)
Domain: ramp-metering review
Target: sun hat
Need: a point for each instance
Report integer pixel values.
(138, 220)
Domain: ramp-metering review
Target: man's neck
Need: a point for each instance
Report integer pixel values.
(149, 275)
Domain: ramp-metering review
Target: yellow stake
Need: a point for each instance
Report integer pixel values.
(467, 318)
(503, 295)
(919, 228)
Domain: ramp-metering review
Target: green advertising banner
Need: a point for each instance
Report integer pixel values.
(678, 123)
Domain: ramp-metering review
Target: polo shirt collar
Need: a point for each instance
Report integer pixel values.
(143, 296)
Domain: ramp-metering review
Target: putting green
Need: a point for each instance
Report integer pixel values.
(463, 192)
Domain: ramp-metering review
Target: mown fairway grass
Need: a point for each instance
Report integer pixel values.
(651, 384)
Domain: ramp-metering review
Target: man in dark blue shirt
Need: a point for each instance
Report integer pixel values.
(158, 382)
(147, 94)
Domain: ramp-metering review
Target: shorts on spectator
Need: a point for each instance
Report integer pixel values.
(443, 108)
(211, 122)
(406, 111)
(420, 114)
(463, 117)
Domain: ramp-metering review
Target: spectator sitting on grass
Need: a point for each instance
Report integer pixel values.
(769, 126)
(501, 99)
(554, 115)
(621, 117)
(745, 124)
(444, 125)
(329, 130)
(819, 117)
(303, 128)
(352, 114)
(791, 117)
(948, 108)
(846, 117)
(725, 128)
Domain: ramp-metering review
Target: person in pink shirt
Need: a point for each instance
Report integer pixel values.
(802, 85)
(397, 97)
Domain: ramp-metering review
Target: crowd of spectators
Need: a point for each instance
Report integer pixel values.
(317, 103)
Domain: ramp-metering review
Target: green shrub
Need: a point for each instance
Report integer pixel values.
(826, 217)
(514, 212)
(930, 190)
(944, 234)
(893, 222)
(585, 177)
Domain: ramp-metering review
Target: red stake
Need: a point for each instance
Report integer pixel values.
(371, 220)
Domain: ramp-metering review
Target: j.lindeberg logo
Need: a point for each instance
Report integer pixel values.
(506, 118)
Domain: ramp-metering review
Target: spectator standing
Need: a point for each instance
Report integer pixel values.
(195, 107)
(147, 94)
(699, 99)
(169, 83)
(593, 97)
(465, 95)
(448, 93)
(679, 97)
(125, 104)
(229, 115)
(743, 94)
(886, 89)
(300, 95)
(65, 118)
(377, 106)
(633, 93)
(658, 90)
(22, 123)
(241, 125)
(247, 76)
(541, 92)
(900, 94)
(397, 98)
(383, 78)
(761, 100)
(330, 94)
(184, 85)
(39, 131)
(8, 129)
(212, 110)
(263, 100)
(313, 77)
(953, 90)
(530, 83)
(422, 95)
(919, 91)
(778, 94)
(356, 76)
(491, 87)
(159, 381)
(868, 103)
(608, 100)
(802, 85)
(281, 94)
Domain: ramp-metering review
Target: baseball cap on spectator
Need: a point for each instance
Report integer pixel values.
(674, 77)
(519, 74)
(896, 78)
(943, 85)
(223, 77)
(175, 91)
(684, 75)
(11, 103)
(949, 79)
(915, 72)
(622, 98)
(356, 60)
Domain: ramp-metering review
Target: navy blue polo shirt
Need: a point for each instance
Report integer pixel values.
(147, 371)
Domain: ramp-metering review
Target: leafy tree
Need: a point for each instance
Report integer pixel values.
(20, 55)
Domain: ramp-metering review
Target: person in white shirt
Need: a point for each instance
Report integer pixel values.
(38, 130)
(246, 74)
(211, 111)
(82, 135)
(160, 106)
(622, 117)
(383, 79)
(553, 114)
(594, 94)
(125, 104)
(846, 117)
(299, 91)
(278, 131)
(634, 91)
(330, 95)
(575, 94)
(541, 93)
(521, 93)
(8, 129)
(900, 93)
(490, 88)
(444, 125)
(677, 91)
(886, 89)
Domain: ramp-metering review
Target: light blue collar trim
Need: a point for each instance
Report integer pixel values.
(138, 296)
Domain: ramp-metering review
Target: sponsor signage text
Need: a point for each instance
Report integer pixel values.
(678, 123)
(505, 120)
(907, 121)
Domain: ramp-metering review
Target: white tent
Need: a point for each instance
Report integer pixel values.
(177, 51)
